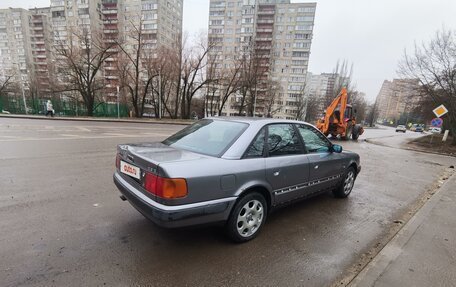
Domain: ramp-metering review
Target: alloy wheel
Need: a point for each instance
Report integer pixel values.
(250, 218)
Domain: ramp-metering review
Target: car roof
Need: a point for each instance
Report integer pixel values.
(250, 120)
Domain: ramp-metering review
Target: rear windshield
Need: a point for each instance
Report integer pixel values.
(210, 137)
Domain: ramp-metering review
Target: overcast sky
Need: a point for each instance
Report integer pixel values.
(371, 34)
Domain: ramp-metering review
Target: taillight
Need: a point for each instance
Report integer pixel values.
(117, 161)
(168, 188)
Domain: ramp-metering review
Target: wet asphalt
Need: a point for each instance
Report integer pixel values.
(62, 222)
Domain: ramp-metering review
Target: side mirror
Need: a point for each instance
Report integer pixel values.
(336, 148)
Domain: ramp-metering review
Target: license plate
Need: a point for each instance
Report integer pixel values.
(130, 170)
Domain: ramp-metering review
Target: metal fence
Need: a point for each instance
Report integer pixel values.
(63, 108)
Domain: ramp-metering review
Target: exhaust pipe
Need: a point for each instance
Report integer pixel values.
(123, 197)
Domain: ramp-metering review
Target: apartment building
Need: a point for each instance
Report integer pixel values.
(279, 34)
(74, 17)
(15, 45)
(325, 85)
(40, 35)
(159, 22)
(397, 98)
(111, 15)
(29, 38)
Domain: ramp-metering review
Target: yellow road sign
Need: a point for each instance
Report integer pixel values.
(440, 111)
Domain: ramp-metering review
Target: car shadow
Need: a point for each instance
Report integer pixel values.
(164, 250)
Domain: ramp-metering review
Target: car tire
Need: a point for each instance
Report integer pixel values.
(356, 131)
(346, 185)
(247, 217)
(348, 133)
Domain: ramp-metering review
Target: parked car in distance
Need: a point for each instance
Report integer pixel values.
(232, 171)
(435, 130)
(419, 129)
(401, 128)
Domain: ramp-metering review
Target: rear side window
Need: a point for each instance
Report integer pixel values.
(283, 140)
(210, 137)
(256, 148)
(313, 140)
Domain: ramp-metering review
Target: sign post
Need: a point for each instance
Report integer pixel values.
(440, 111)
(445, 135)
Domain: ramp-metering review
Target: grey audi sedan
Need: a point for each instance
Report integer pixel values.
(231, 171)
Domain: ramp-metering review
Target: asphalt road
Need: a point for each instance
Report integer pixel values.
(62, 222)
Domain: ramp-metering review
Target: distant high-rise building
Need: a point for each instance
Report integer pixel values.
(324, 88)
(40, 36)
(277, 34)
(15, 45)
(397, 98)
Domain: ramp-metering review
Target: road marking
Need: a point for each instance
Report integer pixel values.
(77, 138)
(114, 134)
(68, 135)
(85, 128)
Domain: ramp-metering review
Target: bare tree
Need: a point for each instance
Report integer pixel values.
(273, 89)
(434, 65)
(212, 98)
(137, 65)
(5, 83)
(372, 113)
(341, 77)
(80, 59)
(307, 106)
(358, 101)
(165, 87)
(229, 83)
(253, 66)
(193, 78)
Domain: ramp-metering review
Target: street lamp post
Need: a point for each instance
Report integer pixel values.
(255, 101)
(23, 98)
(159, 96)
(22, 87)
(118, 108)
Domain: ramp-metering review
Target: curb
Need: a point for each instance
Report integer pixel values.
(372, 141)
(393, 249)
(106, 120)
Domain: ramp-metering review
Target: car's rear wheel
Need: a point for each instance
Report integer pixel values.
(346, 186)
(247, 217)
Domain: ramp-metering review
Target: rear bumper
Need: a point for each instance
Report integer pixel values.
(177, 215)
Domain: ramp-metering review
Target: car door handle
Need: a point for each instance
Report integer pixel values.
(276, 173)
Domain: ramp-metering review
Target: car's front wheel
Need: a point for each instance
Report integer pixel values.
(346, 186)
(247, 217)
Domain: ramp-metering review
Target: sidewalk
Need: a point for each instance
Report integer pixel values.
(423, 253)
(94, 119)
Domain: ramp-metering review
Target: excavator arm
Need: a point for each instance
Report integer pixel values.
(323, 124)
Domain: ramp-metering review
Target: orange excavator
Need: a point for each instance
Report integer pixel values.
(339, 119)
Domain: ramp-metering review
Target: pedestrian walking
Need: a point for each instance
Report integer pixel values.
(49, 109)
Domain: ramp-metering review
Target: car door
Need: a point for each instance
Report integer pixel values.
(325, 166)
(287, 166)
